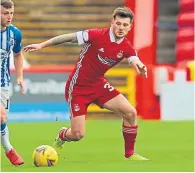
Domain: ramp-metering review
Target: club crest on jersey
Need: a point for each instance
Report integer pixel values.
(101, 49)
(11, 41)
(76, 107)
(120, 54)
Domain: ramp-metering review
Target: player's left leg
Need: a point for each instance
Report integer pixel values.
(78, 109)
(120, 105)
(11, 154)
(4, 131)
(75, 133)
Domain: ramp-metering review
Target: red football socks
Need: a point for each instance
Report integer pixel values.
(129, 134)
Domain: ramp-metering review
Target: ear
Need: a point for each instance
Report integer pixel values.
(131, 26)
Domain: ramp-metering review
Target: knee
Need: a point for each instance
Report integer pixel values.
(130, 113)
(78, 135)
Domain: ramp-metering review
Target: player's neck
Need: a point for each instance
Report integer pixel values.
(3, 28)
(114, 38)
(117, 39)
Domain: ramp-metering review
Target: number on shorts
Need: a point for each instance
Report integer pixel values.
(7, 104)
(107, 85)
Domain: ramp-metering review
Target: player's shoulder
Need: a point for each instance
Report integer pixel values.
(127, 43)
(128, 48)
(15, 29)
(104, 30)
(100, 31)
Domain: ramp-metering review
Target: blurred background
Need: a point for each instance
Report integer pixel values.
(163, 35)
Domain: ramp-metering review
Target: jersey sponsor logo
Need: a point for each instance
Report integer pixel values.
(106, 60)
(4, 54)
(120, 54)
(76, 107)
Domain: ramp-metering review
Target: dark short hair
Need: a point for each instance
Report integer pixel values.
(123, 12)
(7, 3)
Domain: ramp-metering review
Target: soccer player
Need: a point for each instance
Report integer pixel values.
(103, 49)
(10, 41)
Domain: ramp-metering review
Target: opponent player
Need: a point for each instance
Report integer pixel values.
(103, 49)
(10, 40)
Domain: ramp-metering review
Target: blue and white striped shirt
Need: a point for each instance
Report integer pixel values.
(10, 41)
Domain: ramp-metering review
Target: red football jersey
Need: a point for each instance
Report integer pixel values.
(100, 53)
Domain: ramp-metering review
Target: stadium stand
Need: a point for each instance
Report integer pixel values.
(185, 33)
(40, 20)
(167, 29)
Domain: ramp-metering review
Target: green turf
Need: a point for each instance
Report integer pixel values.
(168, 145)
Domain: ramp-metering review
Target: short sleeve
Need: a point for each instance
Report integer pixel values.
(130, 51)
(87, 36)
(131, 54)
(17, 45)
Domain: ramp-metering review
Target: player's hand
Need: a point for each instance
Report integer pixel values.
(140, 68)
(20, 81)
(32, 47)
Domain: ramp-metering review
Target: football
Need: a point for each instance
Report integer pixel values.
(45, 155)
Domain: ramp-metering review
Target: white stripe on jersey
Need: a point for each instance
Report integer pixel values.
(5, 56)
(75, 76)
(11, 36)
(4, 40)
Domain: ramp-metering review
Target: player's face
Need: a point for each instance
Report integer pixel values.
(6, 16)
(121, 26)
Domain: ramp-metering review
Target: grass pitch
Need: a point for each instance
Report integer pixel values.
(168, 145)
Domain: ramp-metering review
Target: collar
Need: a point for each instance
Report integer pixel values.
(3, 30)
(112, 37)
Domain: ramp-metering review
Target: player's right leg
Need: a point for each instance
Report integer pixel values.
(122, 107)
(11, 154)
(75, 133)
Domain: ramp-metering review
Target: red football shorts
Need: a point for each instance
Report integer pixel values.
(80, 97)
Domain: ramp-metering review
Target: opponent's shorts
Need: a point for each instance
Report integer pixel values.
(5, 98)
(80, 97)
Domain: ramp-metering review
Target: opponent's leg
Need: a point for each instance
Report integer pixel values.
(12, 155)
(75, 133)
(121, 106)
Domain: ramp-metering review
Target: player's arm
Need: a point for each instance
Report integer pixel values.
(80, 37)
(72, 38)
(135, 62)
(18, 60)
(139, 67)
(18, 63)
